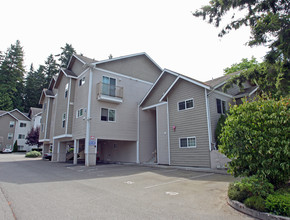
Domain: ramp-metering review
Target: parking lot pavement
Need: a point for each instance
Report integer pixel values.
(38, 189)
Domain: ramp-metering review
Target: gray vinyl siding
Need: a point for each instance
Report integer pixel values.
(189, 123)
(61, 103)
(147, 135)
(214, 115)
(52, 113)
(5, 129)
(125, 126)
(139, 67)
(81, 101)
(159, 89)
(162, 134)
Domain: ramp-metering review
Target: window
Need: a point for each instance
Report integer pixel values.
(108, 114)
(21, 136)
(22, 125)
(66, 90)
(11, 124)
(80, 112)
(189, 142)
(187, 104)
(109, 86)
(63, 120)
(44, 106)
(82, 81)
(221, 106)
(10, 136)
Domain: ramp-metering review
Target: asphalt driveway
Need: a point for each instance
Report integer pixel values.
(37, 189)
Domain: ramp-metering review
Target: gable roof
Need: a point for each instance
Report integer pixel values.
(34, 111)
(217, 82)
(13, 112)
(81, 58)
(178, 77)
(67, 73)
(46, 93)
(128, 56)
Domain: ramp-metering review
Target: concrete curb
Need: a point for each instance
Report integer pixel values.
(196, 169)
(256, 214)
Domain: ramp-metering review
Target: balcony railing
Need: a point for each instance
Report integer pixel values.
(110, 93)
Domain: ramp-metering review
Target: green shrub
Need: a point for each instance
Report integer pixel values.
(33, 154)
(256, 137)
(235, 193)
(256, 202)
(278, 204)
(218, 129)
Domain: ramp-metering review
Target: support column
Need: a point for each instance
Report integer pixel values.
(91, 155)
(54, 150)
(45, 149)
(76, 151)
(61, 152)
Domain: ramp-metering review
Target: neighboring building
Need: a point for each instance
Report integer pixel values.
(128, 109)
(14, 126)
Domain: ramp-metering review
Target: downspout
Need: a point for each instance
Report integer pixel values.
(208, 119)
(67, 108)
(88, 126)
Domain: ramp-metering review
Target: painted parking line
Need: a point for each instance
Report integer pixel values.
(178, 180)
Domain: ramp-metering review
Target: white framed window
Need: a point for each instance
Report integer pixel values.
(187, 142)
(11, 124)
(109, 86)
(21, 136)
(186, 104)
(80, 112)
(221, 106)
(66, 90)
(22, 125)
(63, 119)
(82, 81)
(10, 136)
(108, 114)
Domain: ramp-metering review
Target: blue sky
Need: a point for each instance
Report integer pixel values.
(165, 30)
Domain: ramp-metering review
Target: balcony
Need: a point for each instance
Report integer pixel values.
(109, 93)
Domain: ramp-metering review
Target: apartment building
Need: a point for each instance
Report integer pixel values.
(128, 109)
(14, 126)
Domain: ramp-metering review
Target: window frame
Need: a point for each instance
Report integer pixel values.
(21, 135)
(108, 115)
(110, 90)
(66, 90)
(63, 120)
(187, 138)
(11, 124)
(10, 136)
(22, 123)
(185, 104)
(82, 81)
(81, 110)
(222, 108)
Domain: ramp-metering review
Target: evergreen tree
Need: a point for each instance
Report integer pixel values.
(65, 55)
(11, 77)
(34, 85)
(270, 26)
(50, 70)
